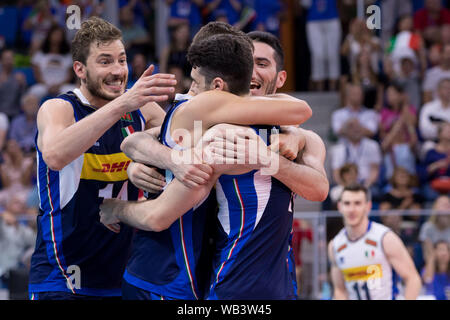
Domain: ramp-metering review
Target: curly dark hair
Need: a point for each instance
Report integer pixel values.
(225, 56)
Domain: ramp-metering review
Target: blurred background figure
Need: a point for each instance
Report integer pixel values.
(324, 37)
(437, 227)
(23, 126)
(436, 273)
(12, 84)
(398, 121)
(52, 65)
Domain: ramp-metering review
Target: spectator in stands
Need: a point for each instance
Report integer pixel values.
(437, 228)
(370, 81)
(428, 20)
(12, 84)
(407, 43)
(265, 16)
(436, 112)
(324, 37)
(403, 193)
(437, 161)
(434, 76)
(392, 10)
(398, 131)
(52, 65)
(141, 9)
(186, 11)
(223, 10)
(364, 153)
(409, 79)
(138, 66)
(15, 173)
(435, 50)
(347, 175)
(354, 117)
(39, 22)
(15, 239)
(175, 53)
(135, 37)
(358, 38)
(436, 274)
(23, 127)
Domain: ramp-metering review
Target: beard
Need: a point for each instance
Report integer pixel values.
(95, 89)
(271, 87)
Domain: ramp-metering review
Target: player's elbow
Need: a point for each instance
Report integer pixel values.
(54, 160)
(303, 112)
(155, 223)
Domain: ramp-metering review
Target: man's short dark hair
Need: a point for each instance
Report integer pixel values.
(224, 56)
(356, 187)
(272, 41)
(219, 27)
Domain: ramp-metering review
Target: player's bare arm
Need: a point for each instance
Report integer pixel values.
(337, 278)
(61, 139)
(402, 263)
(159, 214)
(145, 149)
(306, 176)
(214, 106)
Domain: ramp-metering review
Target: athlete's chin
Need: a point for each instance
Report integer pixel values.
(257, 92)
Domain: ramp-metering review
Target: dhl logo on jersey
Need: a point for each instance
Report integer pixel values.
(363, 273)
(105, 167)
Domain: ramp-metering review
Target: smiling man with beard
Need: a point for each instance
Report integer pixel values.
(80, 163)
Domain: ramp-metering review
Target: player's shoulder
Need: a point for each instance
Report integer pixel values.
(57, 104)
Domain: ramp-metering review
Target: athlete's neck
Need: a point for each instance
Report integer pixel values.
(94, 101)
(356, 232)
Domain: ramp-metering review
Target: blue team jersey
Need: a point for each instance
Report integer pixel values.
(170, 263)
(252, 258)
(70, 237)
(322, 10)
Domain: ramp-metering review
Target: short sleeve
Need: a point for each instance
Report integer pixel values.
(4, 122)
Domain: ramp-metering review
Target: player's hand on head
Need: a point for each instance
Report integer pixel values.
(149, 88)
(107, 213)
(145, 178)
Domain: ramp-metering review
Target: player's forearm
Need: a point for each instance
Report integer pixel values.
(413, 285)
(144, 148)
(303, 180)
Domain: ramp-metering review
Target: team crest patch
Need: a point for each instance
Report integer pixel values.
(127, 117)
(341, 260)
(371, 242)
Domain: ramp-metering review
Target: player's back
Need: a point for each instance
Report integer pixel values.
(167, 263)
(70, 236)
(252, 243)
(366, 270)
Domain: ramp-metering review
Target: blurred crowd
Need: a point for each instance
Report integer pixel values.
(392, 131)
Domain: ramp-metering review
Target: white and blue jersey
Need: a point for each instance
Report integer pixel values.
(71, 242)
(253, 239)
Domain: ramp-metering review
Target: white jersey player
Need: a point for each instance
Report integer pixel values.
(365, 254)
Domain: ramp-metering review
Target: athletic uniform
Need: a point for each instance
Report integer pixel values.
(367, 272)
(166, 264)
(74, 252)
(254, 231)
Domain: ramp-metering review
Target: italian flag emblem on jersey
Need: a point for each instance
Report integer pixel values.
(370, 253)
(126, 131)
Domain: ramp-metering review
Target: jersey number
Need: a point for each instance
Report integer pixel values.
(107, 192)
(363, 287)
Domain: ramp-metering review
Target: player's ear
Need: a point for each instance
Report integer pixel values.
(218, 84)
(79, 69)
(281, 78)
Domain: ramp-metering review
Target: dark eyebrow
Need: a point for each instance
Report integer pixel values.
(262, 59)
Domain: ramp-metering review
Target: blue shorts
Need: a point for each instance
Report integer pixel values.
(130, 292)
